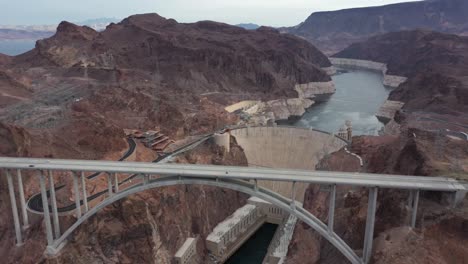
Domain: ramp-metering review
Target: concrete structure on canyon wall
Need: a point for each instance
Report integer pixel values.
(230, 234)
(187, 252)
(346, 131)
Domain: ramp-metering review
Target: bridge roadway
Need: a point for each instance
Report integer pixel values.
(243, 173)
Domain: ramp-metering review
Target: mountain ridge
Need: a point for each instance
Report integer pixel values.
(332, 31)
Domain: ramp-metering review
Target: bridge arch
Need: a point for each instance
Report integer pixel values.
(236, 185)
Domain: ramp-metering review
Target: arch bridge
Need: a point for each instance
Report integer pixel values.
(243, 179)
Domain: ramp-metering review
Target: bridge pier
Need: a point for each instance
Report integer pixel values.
(146, 179)
(77, 195)
(414, 207)
(116, 183)
(45, 206)
(331, 208)
(293, 196)
(109, 184)
(85, 192)
(14, 208)
(370, 222)
(22, 200)
(54, 205)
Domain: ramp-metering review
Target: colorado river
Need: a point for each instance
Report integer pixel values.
(359, 95)
(254, 250)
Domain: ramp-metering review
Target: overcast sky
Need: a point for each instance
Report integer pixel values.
(264, 12)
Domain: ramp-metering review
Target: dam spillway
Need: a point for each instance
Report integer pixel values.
(287, 148)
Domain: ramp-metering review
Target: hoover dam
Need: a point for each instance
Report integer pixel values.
(286, 148)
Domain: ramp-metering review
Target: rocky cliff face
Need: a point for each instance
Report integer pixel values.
(333, 31)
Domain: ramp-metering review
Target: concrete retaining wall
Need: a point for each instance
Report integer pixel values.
(389, 80)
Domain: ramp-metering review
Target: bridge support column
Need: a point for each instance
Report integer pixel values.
(85, 192)
(22, 200)
(109, 184)
(116, 182)
(14, 209)
(45, 206)
(414, 207)
(370, 222)
(53, 200)
(331, 208)
(77, 195)
(255, 185)
(293, 196)
(145, 179)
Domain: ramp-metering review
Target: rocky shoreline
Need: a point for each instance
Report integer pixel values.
(389, 80)
(264, 113)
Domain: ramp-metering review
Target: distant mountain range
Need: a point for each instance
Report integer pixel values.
(335, 30)
(249, 26)
(35, 32)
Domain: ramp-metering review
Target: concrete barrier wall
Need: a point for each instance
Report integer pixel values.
(389, 80)
(285, 147)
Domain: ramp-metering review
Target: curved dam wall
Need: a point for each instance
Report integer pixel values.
(287, 148)
(389, 80)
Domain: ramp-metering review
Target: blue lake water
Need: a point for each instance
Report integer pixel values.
(16, 47)
(359, 95)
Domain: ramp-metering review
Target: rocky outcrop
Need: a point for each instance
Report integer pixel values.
(335, 30)
(283, 109)
(388, 109)
(14, 141)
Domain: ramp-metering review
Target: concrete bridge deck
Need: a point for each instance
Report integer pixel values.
(243, 173)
